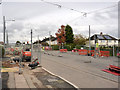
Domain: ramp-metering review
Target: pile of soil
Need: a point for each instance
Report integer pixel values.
(9, 64)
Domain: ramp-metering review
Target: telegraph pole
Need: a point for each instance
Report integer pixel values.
(7, 38)
(89, 41)
(31, 45)
(38, 39)
(4, 30)
(50, 39)
(95, 45)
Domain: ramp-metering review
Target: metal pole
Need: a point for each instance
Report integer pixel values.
(40, 55)
(4, 30)
(7, 37)
(38, 39)
(31, 45)
(113, 51)
(50, 39)
(95, 46)
(89, 41)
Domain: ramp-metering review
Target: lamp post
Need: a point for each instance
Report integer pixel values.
(4, 28)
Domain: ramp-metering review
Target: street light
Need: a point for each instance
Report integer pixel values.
(4, 28)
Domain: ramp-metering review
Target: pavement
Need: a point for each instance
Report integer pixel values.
(80, 70)
(24, 80)
(37, 78)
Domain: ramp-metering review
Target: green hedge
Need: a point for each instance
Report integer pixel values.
(55, 47)
(69, 47)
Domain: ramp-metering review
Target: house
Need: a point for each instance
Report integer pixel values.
(103, 40)
(54, 41)
(50, 41)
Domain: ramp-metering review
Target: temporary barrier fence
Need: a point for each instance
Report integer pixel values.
(83, 52)
(63, 50)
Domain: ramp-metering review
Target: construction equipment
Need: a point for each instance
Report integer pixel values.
(34, 64)
(26, 53)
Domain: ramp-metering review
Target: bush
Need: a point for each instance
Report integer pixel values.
(82, 46)
(55, 47)
(69, 47)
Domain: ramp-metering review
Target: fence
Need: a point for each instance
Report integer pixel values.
(37, 52)
(112, 50)
(63, 50)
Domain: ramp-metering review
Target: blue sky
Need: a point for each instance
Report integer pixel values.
(43, 17)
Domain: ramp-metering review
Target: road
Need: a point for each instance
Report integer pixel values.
(78, 69)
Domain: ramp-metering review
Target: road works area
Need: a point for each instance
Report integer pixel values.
(29, 78)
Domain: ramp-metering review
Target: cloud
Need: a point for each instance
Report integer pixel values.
(42, 18)
(96, 29)
(15, 27)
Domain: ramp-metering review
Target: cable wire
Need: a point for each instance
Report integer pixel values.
(60, 6)
(84, 13)
(102, 9)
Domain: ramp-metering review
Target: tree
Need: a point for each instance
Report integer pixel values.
(44, 44)
(79, 39)
(69, 34)
(17, 43)
(61, 35)
(23, 42)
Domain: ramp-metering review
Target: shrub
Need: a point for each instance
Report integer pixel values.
(69, 47)
(55, 47)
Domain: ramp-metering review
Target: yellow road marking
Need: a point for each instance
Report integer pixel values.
(9, 69)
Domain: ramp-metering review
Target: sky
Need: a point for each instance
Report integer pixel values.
(43, 16)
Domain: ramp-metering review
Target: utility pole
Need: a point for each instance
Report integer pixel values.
(7, 38)
(95, 45)
(50, 39)
(31, 45)
(4, 30)
(38, 39)
(114, 49)
(89, 41)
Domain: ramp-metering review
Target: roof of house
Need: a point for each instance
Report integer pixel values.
(53, 39)
(102, 37)
(47, 39)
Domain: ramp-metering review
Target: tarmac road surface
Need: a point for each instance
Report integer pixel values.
(83, 71)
